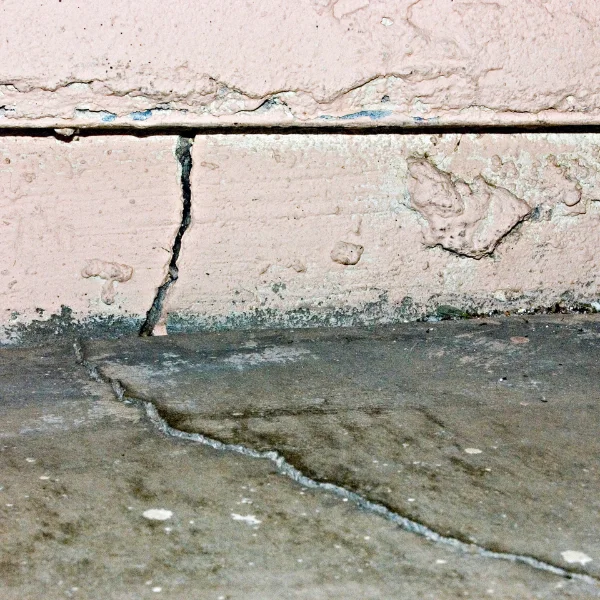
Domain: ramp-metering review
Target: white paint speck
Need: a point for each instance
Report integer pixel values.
(157, 514)
(275, 355)
(411, 499)
(573, 556)
(30, 460)
(250, 519)
(157, 589)
(45, 477)
(440, 561)
(387, 22)
(473, 450)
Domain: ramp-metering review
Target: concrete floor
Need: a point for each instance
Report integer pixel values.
(432, 460)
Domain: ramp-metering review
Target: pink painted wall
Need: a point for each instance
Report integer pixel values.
(311, 227)
(293, 229)
(307, 62)
(87, 225)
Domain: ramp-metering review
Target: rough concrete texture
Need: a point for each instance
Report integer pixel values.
(98, 502)
(298, 229)
(484, 430)
(325, 62)
(86, 227)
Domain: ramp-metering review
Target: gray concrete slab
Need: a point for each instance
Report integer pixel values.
(483, 430)
(80, 469)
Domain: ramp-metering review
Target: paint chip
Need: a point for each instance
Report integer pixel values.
(157, 514)
(386, 21)
(473, 450)
(250, 519)
(573, 556)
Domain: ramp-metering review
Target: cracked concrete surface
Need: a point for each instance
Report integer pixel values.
(86, 230)
(155, 322)
(312, 62)
(510, 224)
(482, 430)
(272, 230)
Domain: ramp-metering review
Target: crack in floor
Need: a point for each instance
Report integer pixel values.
(286, 469)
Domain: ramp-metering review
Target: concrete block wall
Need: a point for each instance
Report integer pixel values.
(309, 229)
(228, 164)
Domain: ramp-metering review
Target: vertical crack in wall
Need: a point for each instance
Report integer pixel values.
(183, 152)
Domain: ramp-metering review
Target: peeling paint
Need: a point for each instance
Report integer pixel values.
(469, 219)
(141, 115)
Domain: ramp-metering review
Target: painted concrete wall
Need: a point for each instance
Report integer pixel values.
(86, 228)
(297, 229)
(70, 63)
(303, 226)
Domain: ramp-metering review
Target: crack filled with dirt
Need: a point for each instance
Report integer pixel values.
(286, 469)
(183, 152)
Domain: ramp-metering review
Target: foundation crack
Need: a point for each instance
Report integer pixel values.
(183, 152)
(288, 470)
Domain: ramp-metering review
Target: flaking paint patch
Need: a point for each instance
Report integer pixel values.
(469, 219)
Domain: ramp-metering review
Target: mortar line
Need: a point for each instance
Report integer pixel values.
(288, 470)
(183, 153)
